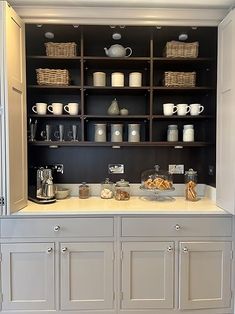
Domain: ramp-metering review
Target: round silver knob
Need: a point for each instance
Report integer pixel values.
(169, 249)
(177, 227)
(64, 249)
(49, 250)
(56, 228)
(185, 250)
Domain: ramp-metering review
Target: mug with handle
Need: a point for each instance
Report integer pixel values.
(40, 108)
(196, 109)
(72, 108)
(56, 108)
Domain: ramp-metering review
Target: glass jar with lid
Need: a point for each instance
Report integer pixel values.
(84, 190)
(122, 190)
(106, 191)
(156, 179)
(172, 133)
(191, 185)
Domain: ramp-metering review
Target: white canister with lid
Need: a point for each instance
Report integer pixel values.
(135, 79)
(172, 133)
(99, 79)
(133, 132)
(117, 79)
(100, 132)
(188, 133)
(116, 132)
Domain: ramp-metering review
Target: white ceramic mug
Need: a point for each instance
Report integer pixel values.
(182, 109)
(72, 108)
(55, 108)
(169, 109)
(135, 79)
(99, 79)
(196, 109)
(117, 79)
(40, 108)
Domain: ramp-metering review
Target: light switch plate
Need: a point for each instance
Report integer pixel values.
(176, 169)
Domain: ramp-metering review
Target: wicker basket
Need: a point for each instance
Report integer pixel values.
(61, 49)
(179, 79)
(177, 49)
(52, 77)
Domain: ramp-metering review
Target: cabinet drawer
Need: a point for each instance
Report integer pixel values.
(144, 227)
(57, 227)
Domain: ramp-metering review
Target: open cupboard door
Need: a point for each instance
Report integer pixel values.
(13, 102)
(225, 180)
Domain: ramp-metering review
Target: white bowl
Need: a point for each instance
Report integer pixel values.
(61, 193)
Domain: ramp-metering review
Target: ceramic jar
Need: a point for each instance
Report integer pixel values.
(117, 79)
(100, 132)
(135, 79)
(133, 132)
(116, 132)
(99, 79)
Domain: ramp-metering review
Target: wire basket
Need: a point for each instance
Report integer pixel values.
(61, 49)
(179, 79)
(52, 77)
(177, 49)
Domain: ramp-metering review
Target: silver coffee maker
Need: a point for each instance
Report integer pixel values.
(42, 189)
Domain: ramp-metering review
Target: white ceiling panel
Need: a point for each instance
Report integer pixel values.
(209, 4)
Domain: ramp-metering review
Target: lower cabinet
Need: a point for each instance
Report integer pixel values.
(28, 276)
(87, 276)
(147, 275)
(205, 275)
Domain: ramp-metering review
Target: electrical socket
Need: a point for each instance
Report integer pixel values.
(116, 168)
(176, 169)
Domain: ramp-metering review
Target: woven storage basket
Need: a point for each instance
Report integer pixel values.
(61, 49)
(177, 49)
(179, 79)
(52, 77)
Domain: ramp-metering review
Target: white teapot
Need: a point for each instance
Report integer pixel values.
(117, 51)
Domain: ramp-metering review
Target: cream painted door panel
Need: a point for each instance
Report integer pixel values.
(225, 181)
(205, 275)
(28, 276)
(87, 276)
(15, 109)
(147, 275)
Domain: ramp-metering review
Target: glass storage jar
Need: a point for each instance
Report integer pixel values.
(191, 185)
(188, 133)
(122, 190)
(155, 179)
(106, 190)
(84, 190)
(172, 133)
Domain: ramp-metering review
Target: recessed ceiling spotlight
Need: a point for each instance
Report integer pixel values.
(75, 26)
(122, 26)
(194, 27)
(112, 26)
(116, 36)
(39, 25)
(49, 35)
(183, 37)
(158, 27)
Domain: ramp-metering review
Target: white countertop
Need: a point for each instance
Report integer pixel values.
(136, 205)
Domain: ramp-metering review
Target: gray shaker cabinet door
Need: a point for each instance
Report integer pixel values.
(28, 276)
(225, 155)
(205, 275)
(147, 275)
(87, 276)
(13, 100)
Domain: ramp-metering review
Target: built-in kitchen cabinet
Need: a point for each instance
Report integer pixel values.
(149, 264)
(147, 275)
(204, 275)
(225, 186)
(28, 276)
(87, 276)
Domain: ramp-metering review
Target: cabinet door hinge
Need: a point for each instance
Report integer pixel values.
(2, 201)
(231, 254)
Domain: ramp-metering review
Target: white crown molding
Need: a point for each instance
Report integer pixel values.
(121, 16)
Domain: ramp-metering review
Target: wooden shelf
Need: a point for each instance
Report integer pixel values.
(111, 90)
(53, 58)
(184, 60)
(127, 144)
(71, 87)
(118, 117)
(175, 117)
(54, 116)
(117, 59)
